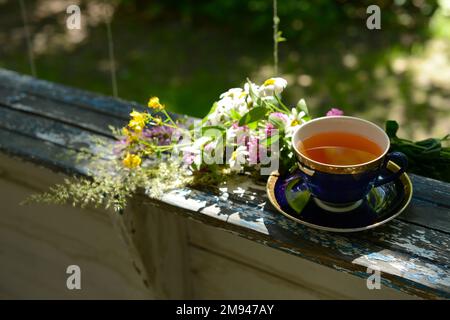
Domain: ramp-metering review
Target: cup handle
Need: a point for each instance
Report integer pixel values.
(400, 159)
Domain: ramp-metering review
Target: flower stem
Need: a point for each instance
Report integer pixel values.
(276, 21)
(281, 103)
(276, 108)
(170, 118)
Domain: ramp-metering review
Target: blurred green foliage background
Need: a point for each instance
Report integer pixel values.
(188, 52)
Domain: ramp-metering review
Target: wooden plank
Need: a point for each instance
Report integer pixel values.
(431, 190)
(216, 277)
(413, 253)
(88, 119)
(41, 152)
(161, 240)
(54, 132)
(327, 249)
(397, 248)
(308, 275)
(427, 214)
(69, 96)
(19, 89)
(423, 272)
(160, 258)
(38, 243)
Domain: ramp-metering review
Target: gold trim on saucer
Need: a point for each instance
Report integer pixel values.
(404, 178)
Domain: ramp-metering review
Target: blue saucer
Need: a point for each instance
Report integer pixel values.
(381, 205)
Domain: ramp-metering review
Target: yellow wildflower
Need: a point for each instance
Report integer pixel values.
(268, 82)
(131, 136)
(125, 132)
(131, 161)
(154, 103)
(137, 122)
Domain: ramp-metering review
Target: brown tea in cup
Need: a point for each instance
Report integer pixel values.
(339, 148)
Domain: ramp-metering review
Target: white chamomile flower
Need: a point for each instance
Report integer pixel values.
(232, 93)
(295, 119)
(232, 103)
(242, 107)
(221, 114)
(253, 87)
(225, 104)
(217, 117)
(238, 159)
(272, 87)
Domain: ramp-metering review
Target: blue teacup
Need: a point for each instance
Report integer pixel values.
(341, 188)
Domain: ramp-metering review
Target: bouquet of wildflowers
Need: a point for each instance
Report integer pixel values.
(247, 131)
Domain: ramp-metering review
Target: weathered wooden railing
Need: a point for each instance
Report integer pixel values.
(48, 124)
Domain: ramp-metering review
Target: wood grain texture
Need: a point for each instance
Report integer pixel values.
(153, 244)
(412, 251)
(398, 248)
(38, 243)
(219, 278)
(21, 86)
(53, 110)
(161, 241)
(308, 276)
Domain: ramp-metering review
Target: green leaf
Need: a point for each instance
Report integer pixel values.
(280, 37)
(235, 115)
(392, 128)
(301, 106)
(253, 125)
(255, 114)
(296, 200)
(267, 142)
(429, 143)
(212, 131)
